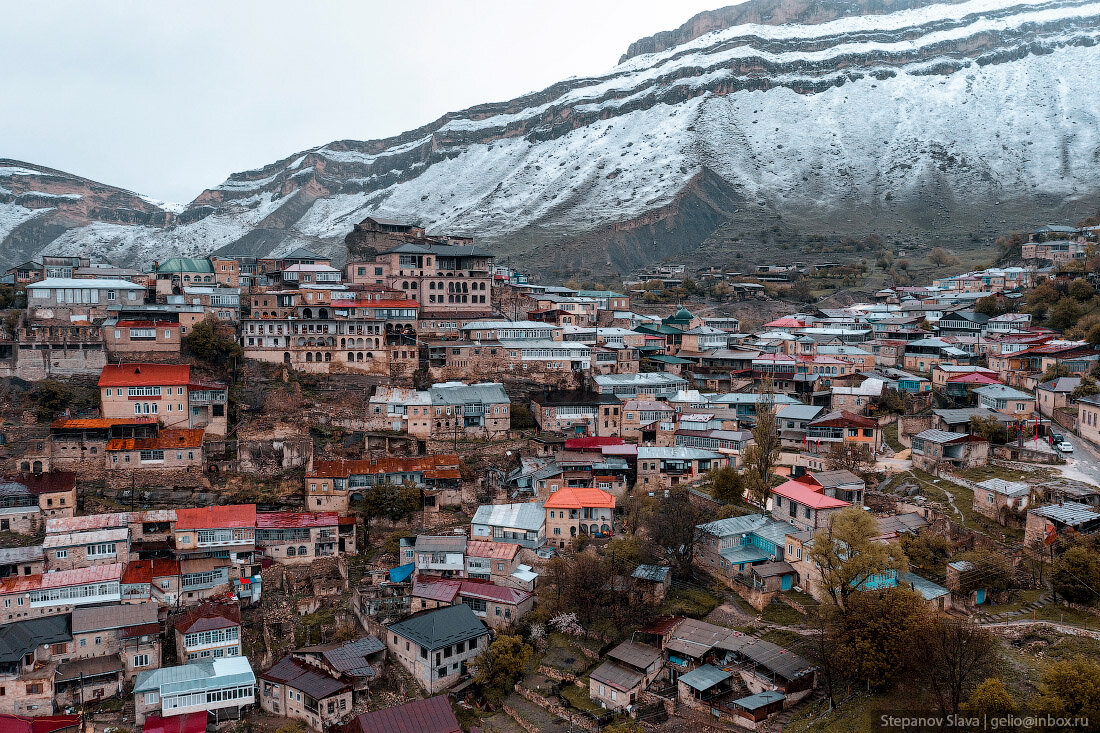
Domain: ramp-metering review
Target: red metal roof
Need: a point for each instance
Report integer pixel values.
(276, 520)
(43, 483)
(42, 723)
(144, 375)
(187, 723)
(801, 493)
(974, 378)
(587, 444)
(433, 715)
(217, 517)
(575, 498)
(166, 439)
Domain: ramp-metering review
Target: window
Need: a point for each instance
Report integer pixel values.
(141, 660)
(150, 698)
(61, 554)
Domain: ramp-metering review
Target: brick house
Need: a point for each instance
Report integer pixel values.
(208, 631)
(804, 504)
(295, 690)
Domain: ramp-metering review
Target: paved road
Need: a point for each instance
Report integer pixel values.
(1084, 463)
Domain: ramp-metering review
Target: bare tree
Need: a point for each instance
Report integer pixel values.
(956, 656)
(762, 456)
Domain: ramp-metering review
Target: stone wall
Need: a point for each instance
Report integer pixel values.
(910, 425)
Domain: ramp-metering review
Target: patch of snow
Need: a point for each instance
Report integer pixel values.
(12, 215)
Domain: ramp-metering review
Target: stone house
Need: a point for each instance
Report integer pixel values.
(435, 646)
(129, 631)
(804, 505)
(630, 668)
(999, 499)
(933, 449)
(208, 631)
(295, 690)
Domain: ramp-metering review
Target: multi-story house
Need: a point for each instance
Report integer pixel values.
(223, 303)
(1088, 418)
(209, 631)
(1006, 400)
(732, 546)
(130, 632)
(523, 524)
(52, 594)
(627, 386)
(332, 484)
(510, 331)
(128, 337)
(446, 411)
(171, 457)
(494, 561)
(73, 550)
(496, 605)
(28, 500)
(804, 504)
(299, 538)
(21, 561)
(441, 276)
(70, 299)
(573, 512)
(843, 428)
(165, 391)
(435, 646)
(642, 417)
(440, 555)
(156, 579)
(577, 413)
(225, 531)
(661, 468)
(299, 691)
(222, 688)
(28, 664)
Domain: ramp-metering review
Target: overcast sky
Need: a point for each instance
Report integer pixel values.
(169, 98)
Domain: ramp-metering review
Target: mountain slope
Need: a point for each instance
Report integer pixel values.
(830, 117)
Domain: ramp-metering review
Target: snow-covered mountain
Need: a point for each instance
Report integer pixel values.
(849, 116)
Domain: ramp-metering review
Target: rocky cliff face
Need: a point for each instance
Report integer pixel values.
(845, 117)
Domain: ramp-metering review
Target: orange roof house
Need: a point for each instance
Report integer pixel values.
(144, 375)
(578, 498)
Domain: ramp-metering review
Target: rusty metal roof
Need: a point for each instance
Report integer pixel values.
(100, 422)
(165, 440)
(433, 715)
(62, 578)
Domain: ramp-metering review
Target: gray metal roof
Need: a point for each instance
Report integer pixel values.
(759, 700)
(771, 569)
(14, 555)
(940, 436)
(1008, 488)
(456, 393)
(640, 656)
(524, 515)
(656, 573)
(800, 412)
(196, 676)
(704, 677)
(441, 627)
(440, 543)
(1068, 512)
(1000, 391)
(743, 554)
(926, 588)
(617, 676)
(99, 618)
(963, 415)
(20, 638)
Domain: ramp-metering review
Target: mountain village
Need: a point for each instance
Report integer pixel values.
(425, 491)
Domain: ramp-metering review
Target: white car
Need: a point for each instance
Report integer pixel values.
(1065, 446)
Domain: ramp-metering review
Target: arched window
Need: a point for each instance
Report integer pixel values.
(290, 551)
(342, 344)
(317, 357)
(323, 313)
(37, 468)
(328, 356)
(25, 466)
(359, 356)
(604, 529)
(572, 531)
(307, 313)
(301, 550)
(309, 356)
(351, 356)
(286, 357)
